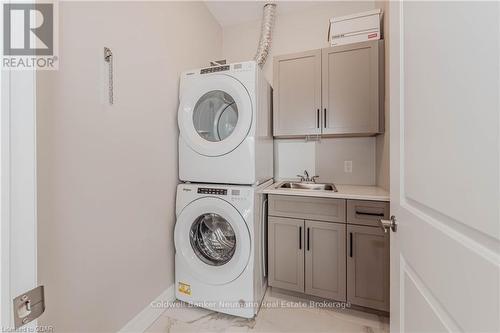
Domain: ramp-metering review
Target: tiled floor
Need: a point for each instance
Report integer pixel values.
(271, 319)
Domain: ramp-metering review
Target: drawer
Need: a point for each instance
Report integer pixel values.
(365, 212)
(307, 208)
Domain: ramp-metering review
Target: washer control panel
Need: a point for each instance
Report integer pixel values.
(216, 191)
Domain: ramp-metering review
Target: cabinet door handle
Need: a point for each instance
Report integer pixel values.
(300, 238)
(324, 120)
(307, 239)
(317, 118)
(350, 244)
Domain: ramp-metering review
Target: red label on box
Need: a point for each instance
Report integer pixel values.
(372, 35)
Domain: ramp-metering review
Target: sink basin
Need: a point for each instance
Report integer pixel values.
(309, 186)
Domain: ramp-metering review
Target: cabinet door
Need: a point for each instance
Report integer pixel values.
(286, 253)
(368, 267)
(353, 95)
(297, 94)
(326, 260)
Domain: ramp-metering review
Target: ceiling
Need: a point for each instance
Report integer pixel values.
(234, 12)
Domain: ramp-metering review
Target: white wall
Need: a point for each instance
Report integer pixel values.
(294, 32)
(108, 175)
(326, 158)
(332, 154)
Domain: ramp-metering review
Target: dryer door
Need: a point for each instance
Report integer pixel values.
(215, 115)
(212, 240)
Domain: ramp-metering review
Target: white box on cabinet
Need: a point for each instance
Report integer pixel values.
(355, 28)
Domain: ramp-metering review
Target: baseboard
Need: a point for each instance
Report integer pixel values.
(150, 313)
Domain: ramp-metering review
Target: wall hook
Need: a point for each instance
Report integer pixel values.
(108, 57)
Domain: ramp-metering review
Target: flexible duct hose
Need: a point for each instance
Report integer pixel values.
(266, 33)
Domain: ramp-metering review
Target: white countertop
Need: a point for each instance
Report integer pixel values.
(357, 192)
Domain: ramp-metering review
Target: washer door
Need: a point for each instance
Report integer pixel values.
(215, 115)
(212, 240)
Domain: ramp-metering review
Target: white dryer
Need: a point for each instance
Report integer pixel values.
(220, 247)
(225, 133)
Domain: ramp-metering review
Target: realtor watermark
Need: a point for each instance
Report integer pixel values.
(30, 35)
(28, 329)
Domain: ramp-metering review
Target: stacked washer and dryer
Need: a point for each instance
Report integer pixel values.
(225, 161)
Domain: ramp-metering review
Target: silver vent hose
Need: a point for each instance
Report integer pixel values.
(266, 34)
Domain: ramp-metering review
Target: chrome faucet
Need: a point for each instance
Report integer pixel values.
(305, 177)
(301, 178)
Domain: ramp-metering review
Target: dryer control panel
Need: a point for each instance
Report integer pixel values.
(214, 69)
(216, 191)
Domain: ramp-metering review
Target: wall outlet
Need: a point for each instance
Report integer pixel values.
(348, 166)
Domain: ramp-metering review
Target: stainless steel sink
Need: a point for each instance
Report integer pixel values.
(309, 186)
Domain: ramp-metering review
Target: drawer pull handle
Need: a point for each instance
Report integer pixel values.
(370, 214)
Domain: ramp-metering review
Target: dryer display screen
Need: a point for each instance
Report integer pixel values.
(216, 191)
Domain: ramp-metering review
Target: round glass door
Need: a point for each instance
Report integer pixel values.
(213, 239)
(215, 116)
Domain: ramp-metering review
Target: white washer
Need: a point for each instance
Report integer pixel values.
(220, 247)
(225, 133)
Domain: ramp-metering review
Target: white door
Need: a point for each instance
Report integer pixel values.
(444, 92)
(18, 192)
(212, 240)
(215, 114)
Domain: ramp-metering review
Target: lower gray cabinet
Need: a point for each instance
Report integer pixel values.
(368, 267)
(325, 260)
(286, 253)
(307, 256)
(344, 257)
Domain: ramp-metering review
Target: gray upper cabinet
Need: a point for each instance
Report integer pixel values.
(286, 253)
(337, 91)
(368, 267)
(325, 260)
(352, 89)
(297, 94)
